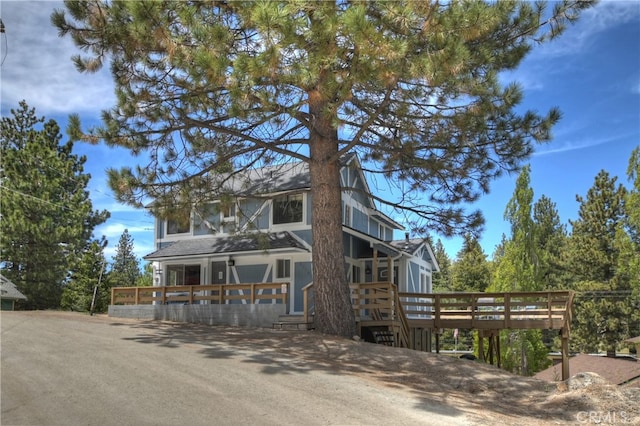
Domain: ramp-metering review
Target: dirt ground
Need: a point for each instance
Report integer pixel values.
(485, 393)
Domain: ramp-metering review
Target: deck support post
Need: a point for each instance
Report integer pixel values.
(565, 353)
(481, 345)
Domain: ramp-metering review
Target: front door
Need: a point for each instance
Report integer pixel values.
(218, 272)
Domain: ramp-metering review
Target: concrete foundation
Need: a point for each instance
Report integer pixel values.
(261, 315)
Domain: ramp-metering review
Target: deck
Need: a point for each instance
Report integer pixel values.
(410, 319)
(391, 317)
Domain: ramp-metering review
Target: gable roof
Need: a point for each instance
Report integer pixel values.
(617, 371)
(273, 178)
(230, 244)
(413, 245)
(8, 290)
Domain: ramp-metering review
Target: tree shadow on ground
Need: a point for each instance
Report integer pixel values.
(440, 383)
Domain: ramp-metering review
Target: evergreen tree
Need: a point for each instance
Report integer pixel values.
(471, 272)
(146, 278)
(88, 275)
(411, 86)
(630, 247)
(47, 216)
(125, 269)
(601, 319)
(550, 244)
(633, 218)
(442, 281)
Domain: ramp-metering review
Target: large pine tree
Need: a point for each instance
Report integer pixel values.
(47, 216)
(551, 243)
(603, 308)
(411, 86)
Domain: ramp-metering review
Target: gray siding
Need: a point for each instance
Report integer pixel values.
(373, 229)
(304, 235)
(250, 274)
(346, 242)
(212, 216)
(249, 208)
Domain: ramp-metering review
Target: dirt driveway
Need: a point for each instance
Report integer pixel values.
(73, 369)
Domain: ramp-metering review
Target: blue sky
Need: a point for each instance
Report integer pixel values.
(592, 73)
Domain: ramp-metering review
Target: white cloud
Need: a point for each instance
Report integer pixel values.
(591, 22)
(582, 144)
(38, 66)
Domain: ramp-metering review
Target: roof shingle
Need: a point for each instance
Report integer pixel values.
(231, 244)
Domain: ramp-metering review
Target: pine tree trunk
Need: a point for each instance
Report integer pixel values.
(333, 310)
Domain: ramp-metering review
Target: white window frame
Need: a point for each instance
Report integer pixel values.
(381, 231)
(277, 269)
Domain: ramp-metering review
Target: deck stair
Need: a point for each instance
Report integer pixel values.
(383, 336)
(293, 322)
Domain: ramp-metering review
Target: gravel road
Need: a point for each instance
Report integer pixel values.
(73, 369)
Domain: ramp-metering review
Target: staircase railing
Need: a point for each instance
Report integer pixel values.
(404, 322)
(308, 305)
(374, 303)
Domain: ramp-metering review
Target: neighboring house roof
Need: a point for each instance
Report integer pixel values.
(231, 244)
(617, 371)
(634, 340)
(8, 290)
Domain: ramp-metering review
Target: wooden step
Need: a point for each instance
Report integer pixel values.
(384, 337)
(293, 322)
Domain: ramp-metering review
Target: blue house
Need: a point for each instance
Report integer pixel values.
(257, 229)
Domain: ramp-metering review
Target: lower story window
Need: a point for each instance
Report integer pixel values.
(183, 275)
(283, 268)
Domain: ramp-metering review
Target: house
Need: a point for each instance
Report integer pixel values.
(260, 232)
(9, 293)
(636, 342)
(623, 371)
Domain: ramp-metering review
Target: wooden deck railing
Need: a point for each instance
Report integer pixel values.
(250, 293)
(514, 310)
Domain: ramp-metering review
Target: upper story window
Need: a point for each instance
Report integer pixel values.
(178, 227)
(228, 211)
(287, 209)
